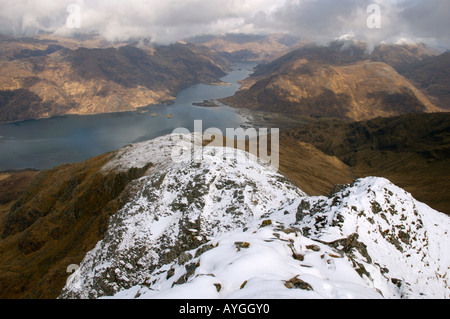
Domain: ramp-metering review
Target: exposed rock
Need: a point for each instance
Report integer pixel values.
(155, 228)
(296, 283)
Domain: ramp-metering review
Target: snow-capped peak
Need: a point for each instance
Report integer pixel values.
(396, 243)
(224, 228)
(176, 208)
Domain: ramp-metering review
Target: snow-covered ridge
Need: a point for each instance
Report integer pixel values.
(167, 151)
(157, 151)
(225, 228)
(396, 243)
(178, 207)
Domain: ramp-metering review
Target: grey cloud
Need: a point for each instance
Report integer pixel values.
(427, 19)
(169, 20)
(414, 20)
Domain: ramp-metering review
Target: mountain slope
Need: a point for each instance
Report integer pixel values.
(432, 75)
(64, 211)
(58, 218)
(304, 165)
(368, 240)
(177, 210)
(53, 80)
(333, 81)
(411, 150)
(245, 47)
(13, 183)
(218, 233)
(139, 217)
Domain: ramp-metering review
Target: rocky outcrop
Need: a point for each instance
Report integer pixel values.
(141, 224)
(176, 210)
(369, 239)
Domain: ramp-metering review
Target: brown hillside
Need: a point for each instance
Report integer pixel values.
(58, 219)
(41, 78)
(356, 91)
(341, 80)
(413, 151)
(13, 183)
(433, 76)
(310, 169)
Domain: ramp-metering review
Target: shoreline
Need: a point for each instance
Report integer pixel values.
(262, 119)
(217, 82)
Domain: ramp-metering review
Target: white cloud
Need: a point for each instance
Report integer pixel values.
(170, 20)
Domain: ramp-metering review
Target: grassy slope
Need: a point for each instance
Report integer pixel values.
(411, 150)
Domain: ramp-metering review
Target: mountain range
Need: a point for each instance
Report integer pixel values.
(47, 76)
(357, 208)
(248, 47)
(42, 78)
(142, 226)
(343, 81)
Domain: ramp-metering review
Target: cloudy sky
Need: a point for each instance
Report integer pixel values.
(165, 21)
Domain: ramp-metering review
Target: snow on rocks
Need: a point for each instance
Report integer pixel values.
(265, 269)
(176, 209)
(226, 228)
(399, 245)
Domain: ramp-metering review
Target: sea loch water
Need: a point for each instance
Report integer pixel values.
(46, 143)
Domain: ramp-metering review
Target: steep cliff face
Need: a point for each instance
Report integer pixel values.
(51, 80)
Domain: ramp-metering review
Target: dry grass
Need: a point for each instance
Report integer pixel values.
(60, 217)
(4, 176)
(13, 183)
(412, 151)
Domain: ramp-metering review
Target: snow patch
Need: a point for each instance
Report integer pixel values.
(226, 228)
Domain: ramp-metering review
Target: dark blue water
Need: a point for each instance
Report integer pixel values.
(46, 143)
